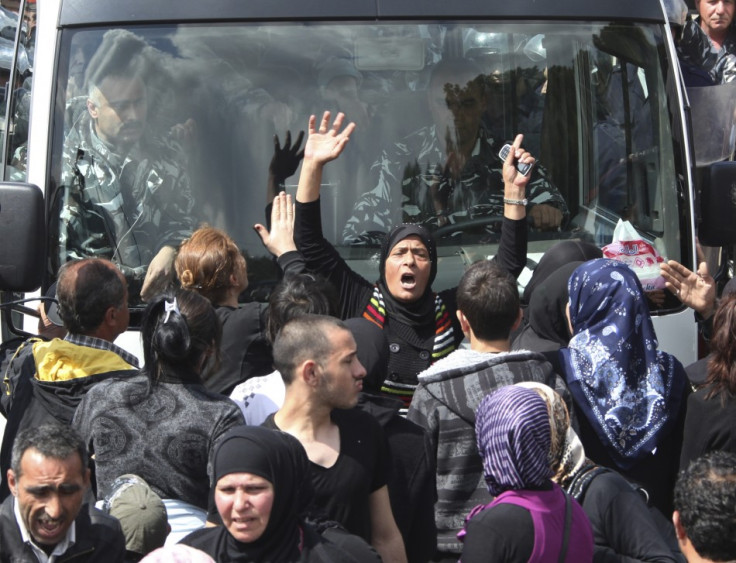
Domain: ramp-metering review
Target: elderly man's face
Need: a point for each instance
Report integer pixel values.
(49, 493)
(715, 15)
(120, 108)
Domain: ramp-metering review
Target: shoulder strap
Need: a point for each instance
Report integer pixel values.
(579, 484)
(568, 522)
(13, 371)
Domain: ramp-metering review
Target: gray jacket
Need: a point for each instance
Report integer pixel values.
(445, 402)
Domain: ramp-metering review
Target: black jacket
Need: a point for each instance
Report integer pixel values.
(99, 538)
(332, 545)
(411, 477)
(625, 529)
(28, 401)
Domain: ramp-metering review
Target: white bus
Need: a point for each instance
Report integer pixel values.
(593, 85)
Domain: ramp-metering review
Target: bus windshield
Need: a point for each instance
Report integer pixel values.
(140, 160)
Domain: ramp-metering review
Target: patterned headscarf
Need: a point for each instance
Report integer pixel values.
(513, 433)
(628, 390)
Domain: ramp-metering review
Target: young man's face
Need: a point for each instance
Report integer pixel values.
(407, 269)
(120, 109)
(49, 493)
(341, 377)
(715, 15)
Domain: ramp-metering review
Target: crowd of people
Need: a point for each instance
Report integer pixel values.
(557, 432)
(350, 419)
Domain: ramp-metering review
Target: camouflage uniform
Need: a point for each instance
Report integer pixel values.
(124, 208)
(414, 165)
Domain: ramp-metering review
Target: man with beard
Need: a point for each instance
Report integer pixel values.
(126, 195)
(317, 358)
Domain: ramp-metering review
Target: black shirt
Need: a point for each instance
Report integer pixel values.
(343, 490)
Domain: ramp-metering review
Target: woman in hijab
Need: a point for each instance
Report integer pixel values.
(624, 527)
(262, 493)
(557, 255)
(531, 519)
(549, 331)
(421, 325)
(545, 327)
(631, 395)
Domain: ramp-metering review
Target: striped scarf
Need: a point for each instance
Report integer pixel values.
(444, 339)
(513, 434)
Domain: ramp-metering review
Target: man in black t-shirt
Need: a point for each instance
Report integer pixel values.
(316, 356)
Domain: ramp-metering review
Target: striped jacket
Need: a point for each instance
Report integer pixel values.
(444, 403)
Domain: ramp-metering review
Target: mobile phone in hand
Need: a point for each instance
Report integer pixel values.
(524, 168)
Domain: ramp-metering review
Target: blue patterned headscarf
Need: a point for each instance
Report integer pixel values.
(514, 438)
(628, 390)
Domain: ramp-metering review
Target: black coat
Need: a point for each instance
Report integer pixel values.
(411, 476)
(28, 402)
(99, 538)
(624, 527)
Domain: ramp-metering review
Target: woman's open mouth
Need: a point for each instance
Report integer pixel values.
(408, 281)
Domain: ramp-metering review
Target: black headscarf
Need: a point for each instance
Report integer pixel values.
(546, 329)
(281, 459)
(561, 253)
(421, 311)
(373, 352)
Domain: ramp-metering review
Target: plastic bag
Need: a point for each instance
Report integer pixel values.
(628, 247)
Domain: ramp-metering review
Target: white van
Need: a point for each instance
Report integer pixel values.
(593, 85)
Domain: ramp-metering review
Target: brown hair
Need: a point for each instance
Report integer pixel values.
(206, 261)
(722, 366)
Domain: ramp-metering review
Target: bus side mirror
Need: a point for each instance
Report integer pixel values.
(22, 237)
(717, 225)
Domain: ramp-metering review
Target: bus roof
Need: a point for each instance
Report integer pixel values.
(94, 12)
